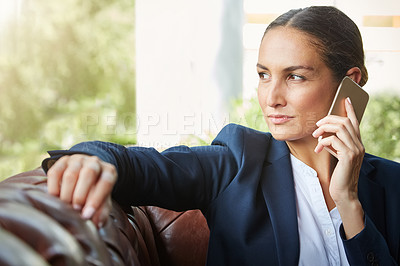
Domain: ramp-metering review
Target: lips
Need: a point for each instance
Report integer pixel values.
(278, 119)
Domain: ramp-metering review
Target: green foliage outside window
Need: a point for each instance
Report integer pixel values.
(380, 127)
(67, 75)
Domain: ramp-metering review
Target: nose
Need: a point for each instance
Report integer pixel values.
(276, 92)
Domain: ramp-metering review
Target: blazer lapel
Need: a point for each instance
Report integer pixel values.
(278, 190)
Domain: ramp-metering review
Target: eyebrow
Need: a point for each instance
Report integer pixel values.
(291, 68)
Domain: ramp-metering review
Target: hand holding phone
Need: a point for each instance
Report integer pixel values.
(358, 97)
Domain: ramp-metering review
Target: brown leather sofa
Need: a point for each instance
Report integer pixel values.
(39, 229)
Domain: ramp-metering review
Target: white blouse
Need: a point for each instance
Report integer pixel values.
(320, 242)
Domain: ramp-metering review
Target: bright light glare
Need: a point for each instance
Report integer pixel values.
(8, 10)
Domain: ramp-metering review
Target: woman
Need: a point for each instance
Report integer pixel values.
(269, 199)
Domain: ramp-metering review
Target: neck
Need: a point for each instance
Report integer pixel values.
(323, 163)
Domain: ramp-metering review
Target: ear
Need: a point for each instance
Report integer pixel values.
(355, 74)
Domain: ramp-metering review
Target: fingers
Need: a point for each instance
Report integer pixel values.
(87, 178)
(335, 124)
(337, 148)
(54, 176)
(350, 121)
(352, 116)
(345, 130)
(69, 179)
(100, 191)
(84, 181)
(341, 130)
(328, 142)
(100, 218)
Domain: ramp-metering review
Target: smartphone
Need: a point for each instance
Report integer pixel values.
(358, 97)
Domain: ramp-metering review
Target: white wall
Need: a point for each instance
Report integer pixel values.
(189, 65)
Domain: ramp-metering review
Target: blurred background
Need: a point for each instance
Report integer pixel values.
(67, 73)
(160, 73)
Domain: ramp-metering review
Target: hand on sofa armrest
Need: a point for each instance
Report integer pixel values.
(85, 182)
(28, 212)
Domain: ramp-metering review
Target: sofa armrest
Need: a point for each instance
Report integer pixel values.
(49, 231)
(56, 233)
(181, 237)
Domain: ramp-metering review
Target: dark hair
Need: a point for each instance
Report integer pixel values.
(337, 37)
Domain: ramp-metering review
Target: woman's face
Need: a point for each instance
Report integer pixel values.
(295, 87)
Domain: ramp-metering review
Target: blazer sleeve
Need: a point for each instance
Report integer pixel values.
(368, 247)
(179, 178)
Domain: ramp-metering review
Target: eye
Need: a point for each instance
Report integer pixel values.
(264, 76)
(296, 77)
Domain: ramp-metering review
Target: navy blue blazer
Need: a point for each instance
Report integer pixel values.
(243, 184)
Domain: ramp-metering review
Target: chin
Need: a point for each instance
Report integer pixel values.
(287, 137)
(290, 133)
(282, 132)
(280, 136)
